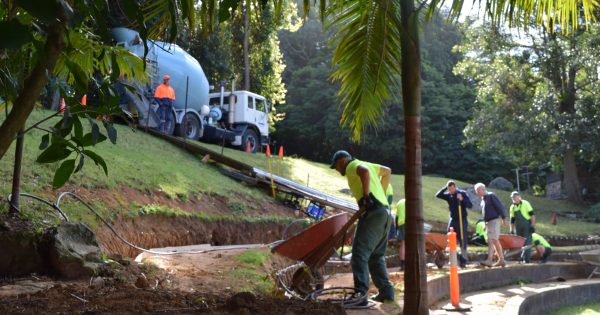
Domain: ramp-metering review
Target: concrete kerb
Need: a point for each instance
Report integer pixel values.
(542, 300)
(477, 280)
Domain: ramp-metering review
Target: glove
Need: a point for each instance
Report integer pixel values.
(532, 229)
(366, 202)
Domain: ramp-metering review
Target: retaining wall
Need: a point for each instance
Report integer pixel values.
(477, 280)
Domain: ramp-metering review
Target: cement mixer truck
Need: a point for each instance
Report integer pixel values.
(238, 118)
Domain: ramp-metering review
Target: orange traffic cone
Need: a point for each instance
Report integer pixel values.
(248, 147)
(84, 100)
(280, 151)
(63, 106)
(553, 218)
(268, 153)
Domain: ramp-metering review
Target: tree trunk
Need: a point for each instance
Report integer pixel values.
(562, 74)
(571, 178)
(415, 274)
(246, 49)
(32, 87)
(16, 183)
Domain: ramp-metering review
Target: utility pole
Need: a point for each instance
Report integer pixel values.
(527, 172)
(517, 175)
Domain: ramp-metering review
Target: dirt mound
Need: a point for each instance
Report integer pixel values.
(124, 298)
(126, 287)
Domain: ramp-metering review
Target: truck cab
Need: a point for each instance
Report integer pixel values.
(245, 124)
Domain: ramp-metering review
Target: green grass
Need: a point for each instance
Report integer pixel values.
(251, 269)
(587, 309)
(148, 164)
(161, 210)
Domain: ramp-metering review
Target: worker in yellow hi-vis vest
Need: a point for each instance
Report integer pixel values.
(522, 220)
(400, 230)
(390, 198)
(368, 183)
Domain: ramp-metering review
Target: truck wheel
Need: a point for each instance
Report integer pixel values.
(250, 138)
(190, 127)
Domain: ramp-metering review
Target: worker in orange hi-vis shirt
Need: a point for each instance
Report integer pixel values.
(164, 96)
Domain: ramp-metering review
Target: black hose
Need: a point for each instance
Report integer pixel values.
(56, 206)
(351, 299)
(53, 206)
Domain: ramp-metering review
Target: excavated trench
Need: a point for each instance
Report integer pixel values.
(155, 231)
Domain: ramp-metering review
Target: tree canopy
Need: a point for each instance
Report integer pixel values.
(536, 96)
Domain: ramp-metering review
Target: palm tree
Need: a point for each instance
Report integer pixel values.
(372, 32)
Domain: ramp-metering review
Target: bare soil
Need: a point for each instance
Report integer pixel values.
(125, 197)
(183, 284)
(129, 300)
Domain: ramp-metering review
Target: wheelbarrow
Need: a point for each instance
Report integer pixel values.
(592, 257)
(435, 247)
(512, 245)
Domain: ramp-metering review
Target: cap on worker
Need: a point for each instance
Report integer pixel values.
(166, 77)
(338, 155)
(514, 193)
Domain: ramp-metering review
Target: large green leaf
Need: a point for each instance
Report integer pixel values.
(97, 159)
(55, 152)
(13, 34)
(80, 164)
(111, 131)
(89, 139)
(77, 127)
(45, 142)
(63, 173)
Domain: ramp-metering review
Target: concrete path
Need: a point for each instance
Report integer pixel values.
(191, 249)
(505, 300)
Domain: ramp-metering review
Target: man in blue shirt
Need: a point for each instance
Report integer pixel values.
(494, 215)
(455, 197)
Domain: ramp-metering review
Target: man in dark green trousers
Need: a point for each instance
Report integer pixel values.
(370, 240)
(522, 220)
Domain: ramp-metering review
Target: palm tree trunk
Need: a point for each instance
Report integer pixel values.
(32, 87)
(415, 275)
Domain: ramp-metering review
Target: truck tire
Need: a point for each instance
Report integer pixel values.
(250, 137)
(190, 127)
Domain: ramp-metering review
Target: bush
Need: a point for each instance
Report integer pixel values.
(594, 212)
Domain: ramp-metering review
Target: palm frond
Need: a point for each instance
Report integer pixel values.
(368, 56)
(566, 13)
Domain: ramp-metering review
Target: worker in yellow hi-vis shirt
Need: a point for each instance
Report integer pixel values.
(522, 220)
(370, 240)
(390, 198)
(400, 230)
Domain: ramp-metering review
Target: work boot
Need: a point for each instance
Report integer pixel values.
(358, 299)
(382, 298)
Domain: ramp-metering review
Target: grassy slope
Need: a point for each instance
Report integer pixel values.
(146, 163)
